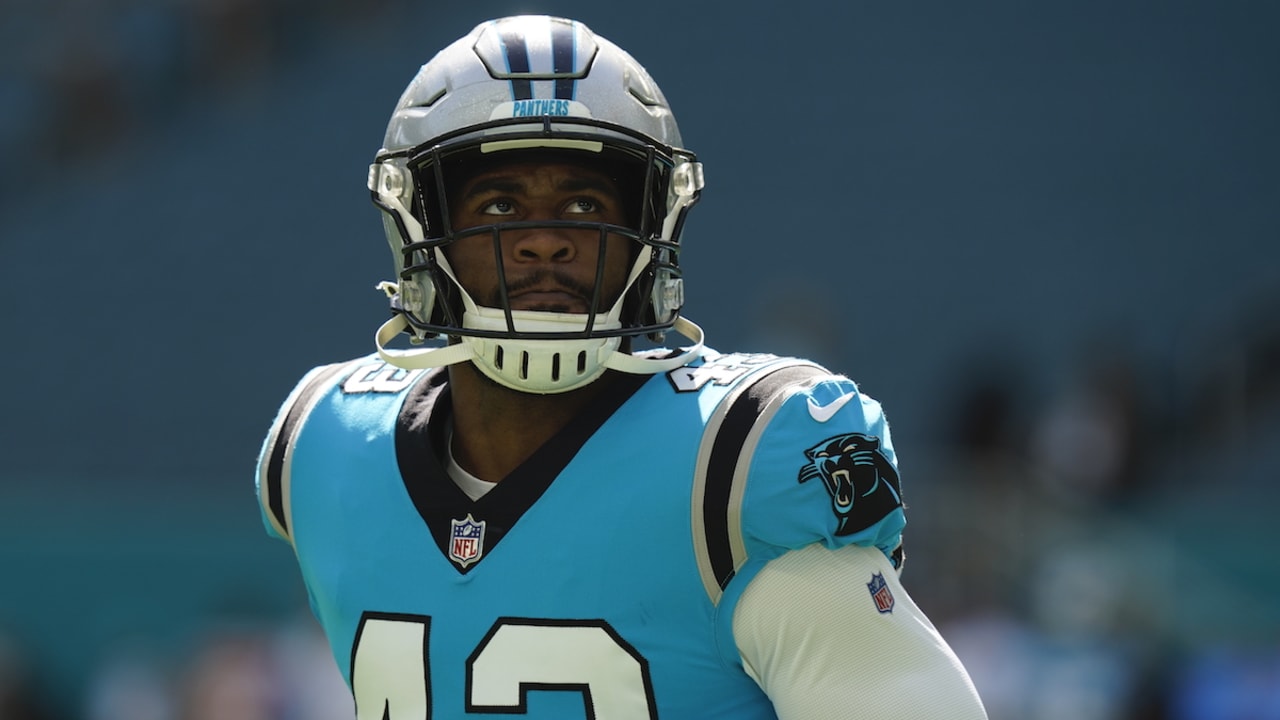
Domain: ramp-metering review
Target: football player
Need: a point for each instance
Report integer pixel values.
(520, 510)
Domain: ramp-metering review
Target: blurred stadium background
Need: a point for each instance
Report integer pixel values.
(1045, 235)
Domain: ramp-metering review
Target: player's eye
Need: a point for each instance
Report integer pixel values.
(499, 207)
(581, 206)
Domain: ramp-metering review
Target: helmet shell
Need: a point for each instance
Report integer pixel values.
(528, 66)
(532, 82)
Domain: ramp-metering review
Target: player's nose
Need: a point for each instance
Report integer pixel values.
(544, 244)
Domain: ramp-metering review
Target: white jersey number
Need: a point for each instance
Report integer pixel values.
(391, 679)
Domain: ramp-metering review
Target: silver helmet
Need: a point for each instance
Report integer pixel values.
(532, 84)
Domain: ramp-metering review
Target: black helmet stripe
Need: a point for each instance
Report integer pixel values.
(562, 52)
(517, 64)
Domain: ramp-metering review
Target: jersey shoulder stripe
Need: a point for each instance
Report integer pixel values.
(724, 458)
(274, 462)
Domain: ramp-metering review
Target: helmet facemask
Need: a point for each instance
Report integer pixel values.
(538, 350)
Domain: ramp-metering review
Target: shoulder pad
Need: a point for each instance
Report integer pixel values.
(364, 375)
(791, 456)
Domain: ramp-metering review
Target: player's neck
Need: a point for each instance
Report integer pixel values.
(497, 428)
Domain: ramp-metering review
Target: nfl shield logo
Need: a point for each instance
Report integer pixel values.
(466, 540)
(880, 593)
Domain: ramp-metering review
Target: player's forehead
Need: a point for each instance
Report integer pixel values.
(540, 173)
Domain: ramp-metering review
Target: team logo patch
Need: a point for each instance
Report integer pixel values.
(880, 593)
(862, 482)
(466, 540)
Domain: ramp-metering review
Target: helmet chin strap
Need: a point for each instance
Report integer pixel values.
(416, 358)
(421, 358)
(641, 365)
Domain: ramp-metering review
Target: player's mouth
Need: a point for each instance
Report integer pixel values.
(549, 301)
(549, 291)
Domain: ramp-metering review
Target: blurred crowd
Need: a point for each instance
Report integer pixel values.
(1069, 542)
(1131, 513)
(79, 76)
(248, 670)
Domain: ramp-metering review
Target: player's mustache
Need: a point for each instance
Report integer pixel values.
(544, 279)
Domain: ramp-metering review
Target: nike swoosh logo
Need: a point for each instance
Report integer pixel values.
(823, 413)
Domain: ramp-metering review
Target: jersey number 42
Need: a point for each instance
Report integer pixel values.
(391, 676)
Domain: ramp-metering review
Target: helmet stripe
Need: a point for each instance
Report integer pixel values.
(563, 50)
(517, 53)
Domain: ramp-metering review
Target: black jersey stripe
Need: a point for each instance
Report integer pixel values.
(562, 56)
(517, 64)
(282, 440)
(733, 442)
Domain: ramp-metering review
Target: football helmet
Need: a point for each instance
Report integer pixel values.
(527, 85)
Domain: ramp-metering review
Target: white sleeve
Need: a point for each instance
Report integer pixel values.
(811, 635)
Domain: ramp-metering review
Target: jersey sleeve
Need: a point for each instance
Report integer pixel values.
(820, 467)
(274, 459)
(791, 455)
(823, 630)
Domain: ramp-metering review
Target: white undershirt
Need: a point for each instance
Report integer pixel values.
(472, 486)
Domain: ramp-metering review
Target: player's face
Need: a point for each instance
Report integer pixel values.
(547, 269)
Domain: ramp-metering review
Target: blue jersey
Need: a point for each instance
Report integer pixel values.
(598, 579)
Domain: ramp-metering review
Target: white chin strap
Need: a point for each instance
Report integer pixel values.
(535, 366)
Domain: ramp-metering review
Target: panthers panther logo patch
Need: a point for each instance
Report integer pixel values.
(863, 484)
